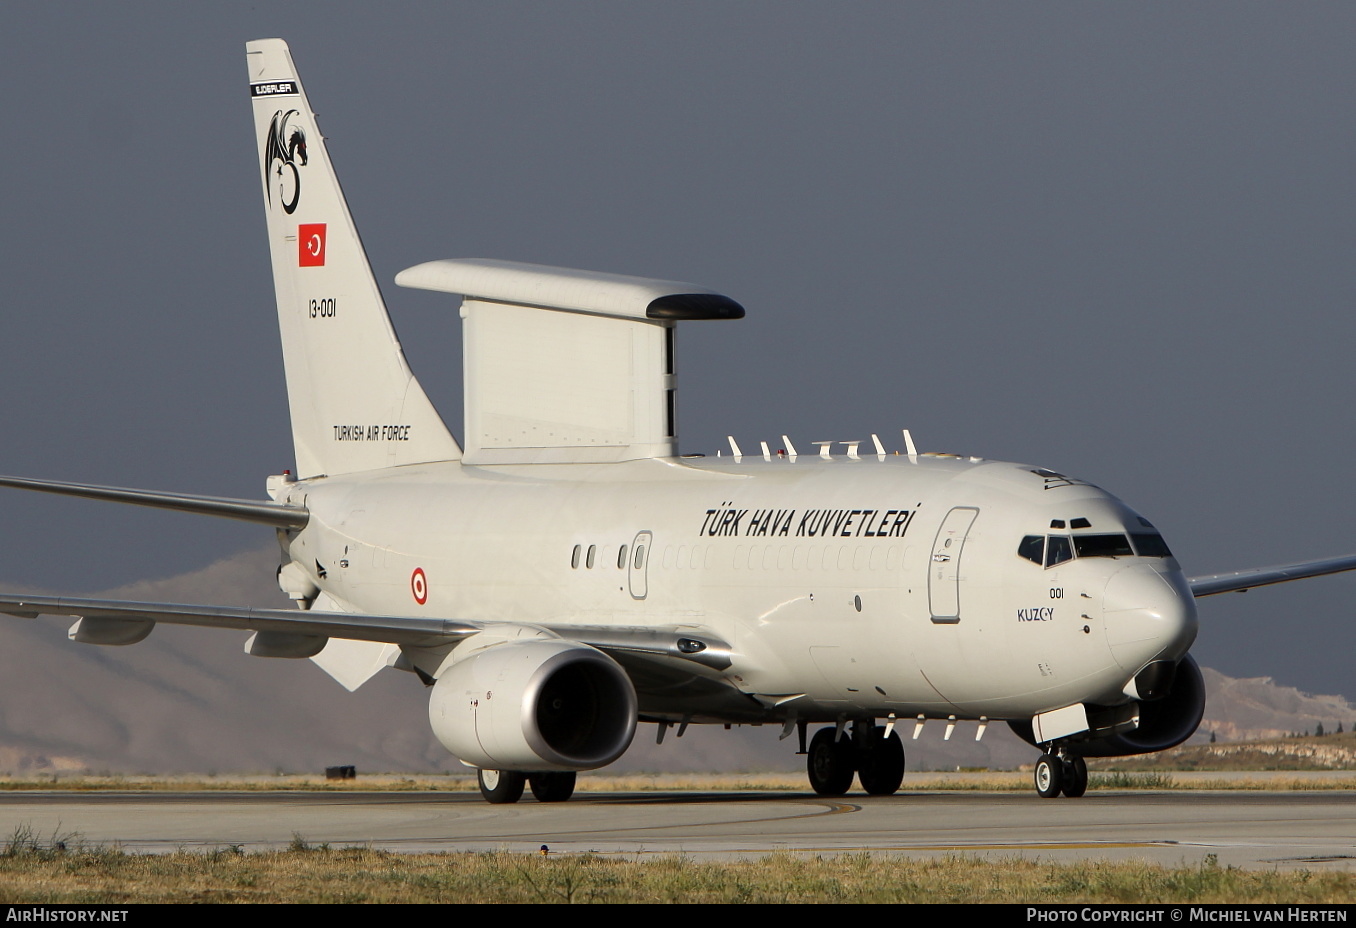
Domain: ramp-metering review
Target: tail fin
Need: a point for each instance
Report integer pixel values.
(355, 403)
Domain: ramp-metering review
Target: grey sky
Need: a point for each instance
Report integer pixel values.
(1115, 240)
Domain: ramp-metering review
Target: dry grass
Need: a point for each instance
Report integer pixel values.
(60, 870)
(85, 782)
(1291, 784)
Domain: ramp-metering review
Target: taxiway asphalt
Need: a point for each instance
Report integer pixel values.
(1287, 830)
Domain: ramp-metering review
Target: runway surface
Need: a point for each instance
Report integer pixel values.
(1315, 830)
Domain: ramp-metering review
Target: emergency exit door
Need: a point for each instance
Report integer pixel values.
(640, 557)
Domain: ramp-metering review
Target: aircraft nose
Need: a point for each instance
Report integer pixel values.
(1148, 615)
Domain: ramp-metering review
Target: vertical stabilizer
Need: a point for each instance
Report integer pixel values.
(355, 404)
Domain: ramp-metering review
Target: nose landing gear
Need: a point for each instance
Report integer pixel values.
(877, 760)
(1061, 772)
(1075, 776)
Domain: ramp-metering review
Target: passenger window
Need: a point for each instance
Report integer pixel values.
(1033, 548)
(1058, 550)
(574, 558)
(621, 557)
(640, 556)
(588, 562)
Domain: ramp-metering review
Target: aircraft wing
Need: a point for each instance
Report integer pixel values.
(110, 621)
(384, 628)
(1239, 581)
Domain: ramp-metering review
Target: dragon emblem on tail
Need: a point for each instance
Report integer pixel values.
(284, 148)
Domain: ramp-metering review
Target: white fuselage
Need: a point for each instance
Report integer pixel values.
(843, 587)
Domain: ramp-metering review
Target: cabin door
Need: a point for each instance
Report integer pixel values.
(944, 570)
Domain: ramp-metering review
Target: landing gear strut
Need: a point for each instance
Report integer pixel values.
(877, 761)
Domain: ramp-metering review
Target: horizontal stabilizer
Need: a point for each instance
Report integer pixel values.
(276, 514)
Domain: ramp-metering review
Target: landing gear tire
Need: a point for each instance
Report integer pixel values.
(501, 786)
(1049, 776)
(880, 767)
(552, 787)
(1075, 776)
(830, 763)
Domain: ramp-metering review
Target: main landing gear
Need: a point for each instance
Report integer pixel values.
(505, 786)
(876, 760)
(1061, 772)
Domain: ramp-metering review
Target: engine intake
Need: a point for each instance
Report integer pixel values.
(534, 704)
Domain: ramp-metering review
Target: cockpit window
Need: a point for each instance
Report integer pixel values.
(1150, 545)
(1058, 550)
(1032, 548)
(1102, 546)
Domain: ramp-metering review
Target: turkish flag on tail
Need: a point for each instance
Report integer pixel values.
(311, 244)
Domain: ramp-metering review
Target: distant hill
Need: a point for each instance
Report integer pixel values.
(190, 701)
(1328, 752)
(1256, 708)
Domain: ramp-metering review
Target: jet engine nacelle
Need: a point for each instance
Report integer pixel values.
(1163, 723)
(534, 704)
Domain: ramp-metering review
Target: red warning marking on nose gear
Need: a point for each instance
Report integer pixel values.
(419, 586)
(311, 244)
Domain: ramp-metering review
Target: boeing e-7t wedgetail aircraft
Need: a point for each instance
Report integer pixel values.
(567, 574)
